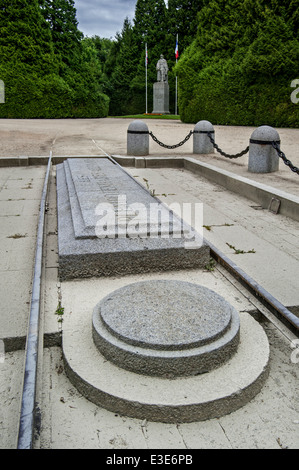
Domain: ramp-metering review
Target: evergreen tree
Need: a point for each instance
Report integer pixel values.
(66, 37)
(150, 27)
(123, 93)
(80, 67)
(27, 60)
(155, 25)
(103, 47)
(25, 37)
(239, 67)
(126, 65)
(46, 77)
(150, 21)
(182, 20)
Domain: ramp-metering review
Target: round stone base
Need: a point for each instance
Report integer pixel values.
(184, 399)
(166, 328)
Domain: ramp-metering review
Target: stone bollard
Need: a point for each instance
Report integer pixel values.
(263, 158)
(138, 139)
(201, 141)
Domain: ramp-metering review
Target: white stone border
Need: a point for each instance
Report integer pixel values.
(196, 398)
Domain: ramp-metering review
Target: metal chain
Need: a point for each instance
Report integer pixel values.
(287, 162)
(171, 146)
(209, 134)
(223, 153)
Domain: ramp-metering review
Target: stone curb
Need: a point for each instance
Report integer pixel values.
(260, 193)
(257, 192)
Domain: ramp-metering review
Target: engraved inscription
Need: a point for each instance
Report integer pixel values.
(107, 200)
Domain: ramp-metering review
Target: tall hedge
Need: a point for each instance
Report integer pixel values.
(239, 68)
(48, 70)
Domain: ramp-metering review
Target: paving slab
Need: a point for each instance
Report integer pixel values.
(11, 379)
(19, 209)
(70, 421)
(99, 136)
(270, 420)
(232, 223)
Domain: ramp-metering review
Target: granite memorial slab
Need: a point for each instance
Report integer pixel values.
(108, 224)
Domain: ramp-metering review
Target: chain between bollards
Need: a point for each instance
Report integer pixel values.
(260, 162)
(287, 162)
(171, 146)
(227, 155)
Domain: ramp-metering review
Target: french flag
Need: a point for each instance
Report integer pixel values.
(177, 48)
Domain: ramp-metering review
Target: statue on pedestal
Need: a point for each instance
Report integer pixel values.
(162, 69)
(161, 88)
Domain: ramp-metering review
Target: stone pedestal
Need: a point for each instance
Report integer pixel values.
(263, 158)
(165, 350)
(166, 328)
(161, 98)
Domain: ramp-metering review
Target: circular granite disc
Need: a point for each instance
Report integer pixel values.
(169, 315)
(166, 328)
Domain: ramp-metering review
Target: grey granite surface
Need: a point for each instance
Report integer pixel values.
(109, 224)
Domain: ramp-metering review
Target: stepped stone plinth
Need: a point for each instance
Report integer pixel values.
(166, 351)
(166, 328)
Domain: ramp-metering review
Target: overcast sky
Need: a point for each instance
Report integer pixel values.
(103, 18)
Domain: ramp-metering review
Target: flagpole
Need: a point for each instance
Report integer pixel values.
(176, 94)
(176, 78)
(146, 78)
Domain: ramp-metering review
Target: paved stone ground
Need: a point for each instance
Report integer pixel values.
(20, 194)
(232, 221)
(97, 136)
(271, 420)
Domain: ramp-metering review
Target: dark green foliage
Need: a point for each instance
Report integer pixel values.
(156, 26)
(237, 61)
(182, 20)
(66, 38)
(25, 36)
(127, 77)
(239, 68)
(123, 72)
(48, 70)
